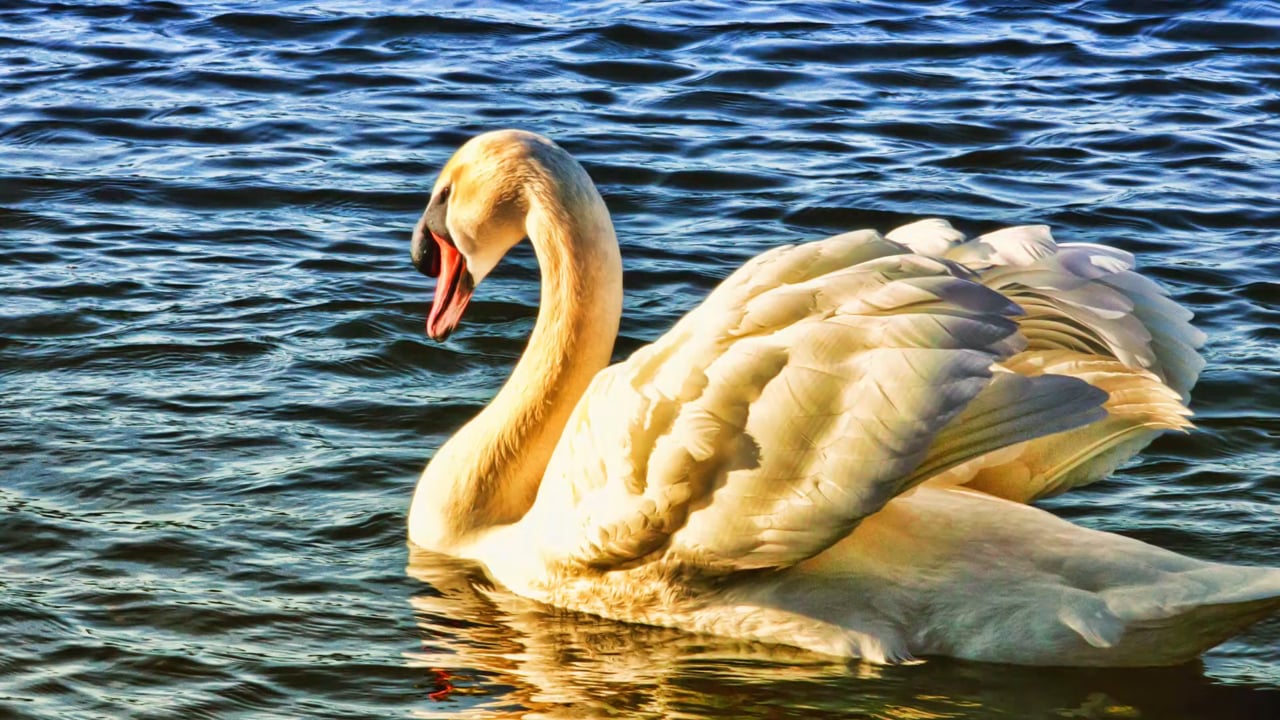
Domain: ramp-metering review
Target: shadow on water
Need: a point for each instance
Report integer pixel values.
(496, 655)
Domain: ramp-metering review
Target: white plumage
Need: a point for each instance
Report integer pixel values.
(832, 450)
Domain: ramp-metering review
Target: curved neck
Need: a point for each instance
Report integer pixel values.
(488, 473)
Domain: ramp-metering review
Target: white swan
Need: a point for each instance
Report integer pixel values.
(834, 449)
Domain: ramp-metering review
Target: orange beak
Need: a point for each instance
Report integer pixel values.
(453, 288)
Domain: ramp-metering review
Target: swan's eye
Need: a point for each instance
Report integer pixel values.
(444, 194)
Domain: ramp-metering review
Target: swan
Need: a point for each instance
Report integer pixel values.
(834, 451)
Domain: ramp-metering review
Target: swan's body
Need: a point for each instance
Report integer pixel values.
(833, 451)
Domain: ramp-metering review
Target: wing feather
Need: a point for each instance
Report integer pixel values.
(1091, 293)
(1139, 406)
(1087, 315)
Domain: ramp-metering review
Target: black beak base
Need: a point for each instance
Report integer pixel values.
(423, 250)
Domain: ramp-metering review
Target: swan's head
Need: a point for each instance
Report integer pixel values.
(477, 212)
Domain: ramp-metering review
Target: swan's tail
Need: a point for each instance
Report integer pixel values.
(965, 574)
(1175, 620)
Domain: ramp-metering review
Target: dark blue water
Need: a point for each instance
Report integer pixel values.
(217, 393)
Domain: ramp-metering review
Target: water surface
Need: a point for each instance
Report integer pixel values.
(217, 393)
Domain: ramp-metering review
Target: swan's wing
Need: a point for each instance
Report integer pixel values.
(1089, 316)
(799, 398)
(1076, 296)
(1139, 407)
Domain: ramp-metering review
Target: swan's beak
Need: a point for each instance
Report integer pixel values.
(453, 289)
(436, 257)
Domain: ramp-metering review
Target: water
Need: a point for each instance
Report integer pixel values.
(217, 393)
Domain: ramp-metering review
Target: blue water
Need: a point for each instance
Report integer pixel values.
(217, 392)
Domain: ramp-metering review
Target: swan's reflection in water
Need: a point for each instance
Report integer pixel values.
(507, 657)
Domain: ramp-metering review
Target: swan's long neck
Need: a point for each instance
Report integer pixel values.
(488, 474)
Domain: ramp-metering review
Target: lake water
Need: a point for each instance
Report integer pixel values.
(217, 391)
